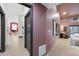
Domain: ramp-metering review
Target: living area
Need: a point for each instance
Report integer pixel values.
(69, 22)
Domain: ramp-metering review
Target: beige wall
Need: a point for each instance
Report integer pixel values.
(50, 39)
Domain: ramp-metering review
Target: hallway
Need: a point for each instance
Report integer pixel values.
(63, 48)
(15, 47)
(41, 24)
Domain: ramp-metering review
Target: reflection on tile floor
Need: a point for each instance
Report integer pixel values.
(15, 47)
(63, 48)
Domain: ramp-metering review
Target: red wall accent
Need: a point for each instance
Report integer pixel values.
(39, 27)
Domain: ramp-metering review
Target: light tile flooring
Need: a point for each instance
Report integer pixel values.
(63, 48)
(15, 47)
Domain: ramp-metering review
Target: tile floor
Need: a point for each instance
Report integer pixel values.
(15, 47)
(63, 48)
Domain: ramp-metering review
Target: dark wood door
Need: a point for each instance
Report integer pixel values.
(2, 30)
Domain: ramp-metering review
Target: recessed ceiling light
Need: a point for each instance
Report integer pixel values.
(64, 13)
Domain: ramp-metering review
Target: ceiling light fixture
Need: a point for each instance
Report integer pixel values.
(64, 13)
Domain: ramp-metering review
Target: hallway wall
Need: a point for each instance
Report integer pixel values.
(39, 27)
(42, 27)
(50, 38)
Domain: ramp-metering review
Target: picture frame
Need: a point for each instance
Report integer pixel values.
(55, 27)
(13, 26)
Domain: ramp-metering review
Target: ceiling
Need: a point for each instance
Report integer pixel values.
(68, 10)
(50, 5)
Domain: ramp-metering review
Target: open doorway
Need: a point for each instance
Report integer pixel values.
(16, 35)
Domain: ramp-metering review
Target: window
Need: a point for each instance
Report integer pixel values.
(73, 30)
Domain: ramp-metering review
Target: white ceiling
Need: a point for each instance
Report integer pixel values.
(50, 5)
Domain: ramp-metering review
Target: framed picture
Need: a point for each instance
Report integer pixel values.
(57, 28)
(14, 26)
(53, 27)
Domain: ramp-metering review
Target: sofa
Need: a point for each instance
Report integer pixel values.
(74, 39)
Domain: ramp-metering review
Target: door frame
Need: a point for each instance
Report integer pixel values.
(2, 30)
(31, 18)
(28, 13)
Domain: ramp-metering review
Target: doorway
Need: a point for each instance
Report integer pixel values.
(29, 46)
(29, 29)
